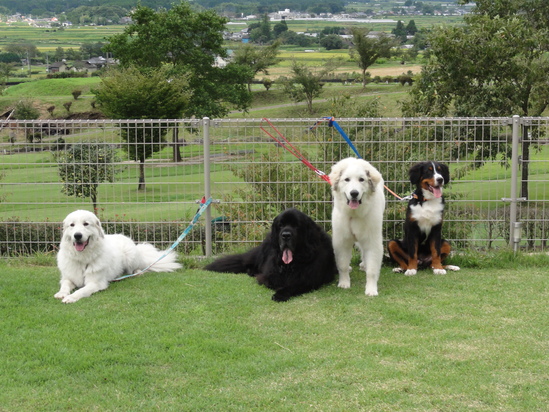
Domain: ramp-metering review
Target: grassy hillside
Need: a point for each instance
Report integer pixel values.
(272, 103)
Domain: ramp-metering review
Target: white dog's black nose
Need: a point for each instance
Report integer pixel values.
(354, 194)
(77, 236)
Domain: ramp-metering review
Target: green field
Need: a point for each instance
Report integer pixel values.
(202, 341)
(47, 40)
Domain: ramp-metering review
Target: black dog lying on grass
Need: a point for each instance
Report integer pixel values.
(296, 257)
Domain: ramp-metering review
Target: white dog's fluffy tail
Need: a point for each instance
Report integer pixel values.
(149, 254)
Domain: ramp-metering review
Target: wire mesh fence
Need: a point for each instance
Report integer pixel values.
(145, 178)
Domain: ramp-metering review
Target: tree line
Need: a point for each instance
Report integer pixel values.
(111, 11)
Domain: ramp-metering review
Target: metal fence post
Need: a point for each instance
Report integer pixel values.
(514, 176)
(207, 185)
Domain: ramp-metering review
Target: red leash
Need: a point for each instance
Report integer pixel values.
(293, 150)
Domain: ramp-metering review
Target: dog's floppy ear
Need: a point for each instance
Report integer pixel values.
(97, 224)
(273, 234)
(445, 172)
(335, 175)
(374, 177)
(415, 173)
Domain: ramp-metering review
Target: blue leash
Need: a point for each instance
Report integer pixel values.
(332, 122)
(172, 247)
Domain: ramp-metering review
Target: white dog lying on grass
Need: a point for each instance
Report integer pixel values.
(88, 259)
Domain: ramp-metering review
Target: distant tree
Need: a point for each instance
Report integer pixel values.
(76, 93)
(411, 28)
(67, 106)
(188, 41)
(267, 83)
(84, 166)
(302, 40)
(280, 28)
(399, 31)
(332, 42)
(426, 8)
(305, 84)
(6, 70)
(73, 54)
(9, 58)
(257, 59)
(25, 110)
(420, 40)
(367, 50)
(88, 50)
(23, 50)
(128, 93)
(59, 54)
(332, 30)
(262, 33)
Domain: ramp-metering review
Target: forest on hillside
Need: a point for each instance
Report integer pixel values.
(45, 7)
(49, 8)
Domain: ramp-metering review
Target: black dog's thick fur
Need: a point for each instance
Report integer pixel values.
(296, 257)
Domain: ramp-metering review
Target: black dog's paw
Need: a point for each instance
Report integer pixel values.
(278, 297)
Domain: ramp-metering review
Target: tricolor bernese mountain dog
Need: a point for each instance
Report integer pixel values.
(423, 245)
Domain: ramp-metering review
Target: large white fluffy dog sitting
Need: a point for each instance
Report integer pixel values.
(89, 259)
(357, 217)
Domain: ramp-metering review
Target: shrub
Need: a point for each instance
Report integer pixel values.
(76, 93)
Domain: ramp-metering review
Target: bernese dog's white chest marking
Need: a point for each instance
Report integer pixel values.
(428, 214)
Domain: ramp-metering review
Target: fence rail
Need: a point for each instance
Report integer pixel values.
(145, 178)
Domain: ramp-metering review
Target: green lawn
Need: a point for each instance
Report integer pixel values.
(198, 341)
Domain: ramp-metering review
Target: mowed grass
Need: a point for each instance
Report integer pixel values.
(195, 340)
(53, 87)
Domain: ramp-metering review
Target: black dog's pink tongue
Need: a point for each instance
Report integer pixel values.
(287, 256)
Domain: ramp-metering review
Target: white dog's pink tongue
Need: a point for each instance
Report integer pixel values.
(353, 204)
(80, 246)
(437, 191)
(287, 256)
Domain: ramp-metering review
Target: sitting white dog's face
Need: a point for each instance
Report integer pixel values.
(80, 228)
(355, 179)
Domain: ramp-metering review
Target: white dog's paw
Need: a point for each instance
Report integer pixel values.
(70, 299)
(439, 271)
(59, 295)
(398, 270)
(371, 290)
(362, 266)
(452, 267)
(411, 272)
(344, 284)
